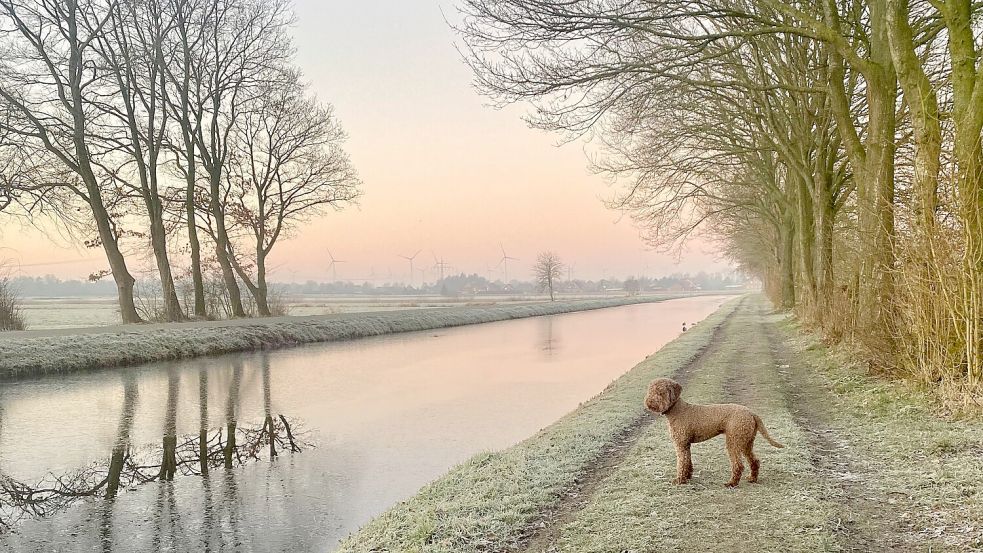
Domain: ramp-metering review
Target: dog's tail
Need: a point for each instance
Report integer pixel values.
(764, 432)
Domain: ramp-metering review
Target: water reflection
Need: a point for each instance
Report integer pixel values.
(128, 466)
(549, 339)
(122, 445)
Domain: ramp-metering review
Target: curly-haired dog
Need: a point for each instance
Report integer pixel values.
(690, 424)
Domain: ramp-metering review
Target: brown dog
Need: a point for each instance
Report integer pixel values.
(690, 424)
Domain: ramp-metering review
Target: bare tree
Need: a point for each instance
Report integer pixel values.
(243, 40)
(183, 91)
(287, 166)
(549, 271)
(48, 81)
(131, 51)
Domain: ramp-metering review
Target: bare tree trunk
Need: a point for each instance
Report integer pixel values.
(924, 108)
(805, 226)
(786, 259)
(262, 287)
(197, 281)
(158, 240)
(876, 188)
(117, 263)
(824, 216)
(222, 245)
(144, 85)
(259, 290)
(189, 125)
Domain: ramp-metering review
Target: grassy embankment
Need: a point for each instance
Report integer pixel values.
(868, 466)
(30, 354)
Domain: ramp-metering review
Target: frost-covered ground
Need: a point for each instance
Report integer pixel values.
(76, 312)
(63, 350)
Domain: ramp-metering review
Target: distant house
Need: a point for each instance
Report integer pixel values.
(685, 285)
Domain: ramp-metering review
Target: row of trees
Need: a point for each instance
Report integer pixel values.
(833, 146)
(182, 125)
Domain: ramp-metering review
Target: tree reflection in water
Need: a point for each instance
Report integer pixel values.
(191, 455)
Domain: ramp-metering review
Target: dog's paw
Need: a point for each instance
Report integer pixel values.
(731, 484)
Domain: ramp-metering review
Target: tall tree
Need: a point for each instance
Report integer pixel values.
(548, 271)
(48, 82)
(243, 41)
(131, 51)
(287, 166)
(183, 90)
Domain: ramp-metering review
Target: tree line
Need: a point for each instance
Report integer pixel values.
(832, 147)
(178, 131)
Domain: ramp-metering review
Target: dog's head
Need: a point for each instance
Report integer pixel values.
(663, 394)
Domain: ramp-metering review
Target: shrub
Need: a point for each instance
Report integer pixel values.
(10, 314)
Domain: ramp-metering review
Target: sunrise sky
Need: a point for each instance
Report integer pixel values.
(442, 171)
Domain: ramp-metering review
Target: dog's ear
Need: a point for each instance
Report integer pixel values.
(675, 390)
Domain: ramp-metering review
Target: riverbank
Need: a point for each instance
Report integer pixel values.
(32, 353)
(868, 466)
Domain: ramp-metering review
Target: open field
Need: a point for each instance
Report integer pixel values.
(26, 353)
(867, 465)
(82, 312)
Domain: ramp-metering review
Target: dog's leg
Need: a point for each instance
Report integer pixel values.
(689, 464)
(684, 463)
(755, 463)
(736, 467)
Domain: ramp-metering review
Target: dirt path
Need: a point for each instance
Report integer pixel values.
(840, 484)
(546, 531)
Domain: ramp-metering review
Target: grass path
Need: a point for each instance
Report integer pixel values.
(867, 465)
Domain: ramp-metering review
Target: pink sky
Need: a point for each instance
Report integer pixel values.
(442, 171)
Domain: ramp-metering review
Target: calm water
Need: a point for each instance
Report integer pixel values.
(364, 424)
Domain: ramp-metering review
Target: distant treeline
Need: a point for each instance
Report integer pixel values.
(455, 285)
(475, 284)
(52, 287)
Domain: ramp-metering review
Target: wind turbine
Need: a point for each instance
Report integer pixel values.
(333, 266)
(410, 258)
(505, 264)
